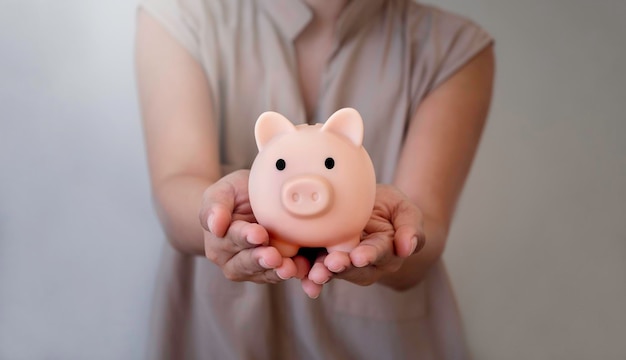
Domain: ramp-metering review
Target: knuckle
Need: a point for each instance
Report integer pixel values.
(384, 253)
(394, 266)
(365, 281)
(232, 276)
(361, 276)
(421, 241)
(202, 215)
(212, 256)
(271, 277)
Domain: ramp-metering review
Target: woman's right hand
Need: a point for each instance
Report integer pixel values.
(234, 241)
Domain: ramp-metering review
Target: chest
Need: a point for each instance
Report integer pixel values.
(313, 48)
(307, 79)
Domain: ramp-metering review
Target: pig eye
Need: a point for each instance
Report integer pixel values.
(280, 164)
(329, 163)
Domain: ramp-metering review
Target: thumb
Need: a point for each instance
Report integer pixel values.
(220, 200)
(409, 235)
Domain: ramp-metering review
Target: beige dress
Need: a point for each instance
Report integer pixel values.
(388, 57)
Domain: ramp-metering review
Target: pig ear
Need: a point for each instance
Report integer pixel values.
(269, 125)
(346, 122)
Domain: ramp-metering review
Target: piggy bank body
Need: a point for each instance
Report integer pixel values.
(312, 185)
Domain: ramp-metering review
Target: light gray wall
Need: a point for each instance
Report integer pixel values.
(78, 240)
(538, 251)
(537, 254)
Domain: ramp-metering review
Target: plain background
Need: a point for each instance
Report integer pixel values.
(537, 253)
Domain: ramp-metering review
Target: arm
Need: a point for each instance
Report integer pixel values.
(409, 226)
(182, 149)
(179, 132)
(436, 158)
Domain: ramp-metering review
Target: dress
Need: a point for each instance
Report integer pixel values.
(389, 56)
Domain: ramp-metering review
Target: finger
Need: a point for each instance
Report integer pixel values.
(267, 277)
(248, 263)
(241, 235)
(244, 235)
(219, 219)
(310, 288)
(409, 235)
(220, 200)
(373, 250)
(414, 245)
(319, 273)
(361, 276)
(287, 270)
(218, 205)
(337, 261)
(303, 266)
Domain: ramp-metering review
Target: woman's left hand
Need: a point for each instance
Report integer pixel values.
(393, 233)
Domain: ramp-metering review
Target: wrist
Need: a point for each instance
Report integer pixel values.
(416, 267)
(177, 201)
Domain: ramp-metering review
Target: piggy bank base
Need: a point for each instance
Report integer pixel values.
(289, 249)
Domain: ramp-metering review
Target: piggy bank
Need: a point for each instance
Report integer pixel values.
(312, 185)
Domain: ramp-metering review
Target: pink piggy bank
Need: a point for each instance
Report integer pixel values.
(312, 185)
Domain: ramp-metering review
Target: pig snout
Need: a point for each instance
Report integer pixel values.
(307, 195)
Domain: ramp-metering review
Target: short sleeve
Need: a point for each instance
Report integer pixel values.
(455, 40)
(177, 19)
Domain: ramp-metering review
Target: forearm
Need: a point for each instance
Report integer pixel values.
(437, 154)
(177, 201)
(415, 268)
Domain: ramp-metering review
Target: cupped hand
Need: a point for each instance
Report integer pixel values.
(393, 233)
(235, 242)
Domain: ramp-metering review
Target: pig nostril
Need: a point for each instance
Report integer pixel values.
(306, 196)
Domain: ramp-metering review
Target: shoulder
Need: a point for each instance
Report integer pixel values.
(197, 24)
(440, 43)
(199, 12)
(431, 23)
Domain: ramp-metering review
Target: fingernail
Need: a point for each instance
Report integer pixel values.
(340, 269)
(211, 222)
(264, 264)
(321, 283)
(283, 278)
(413, 245)
(360, 262)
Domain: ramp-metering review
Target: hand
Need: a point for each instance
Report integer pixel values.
(235, 242)
(393, 233)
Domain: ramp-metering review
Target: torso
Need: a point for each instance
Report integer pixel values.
(313, 48)
(383, 71)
